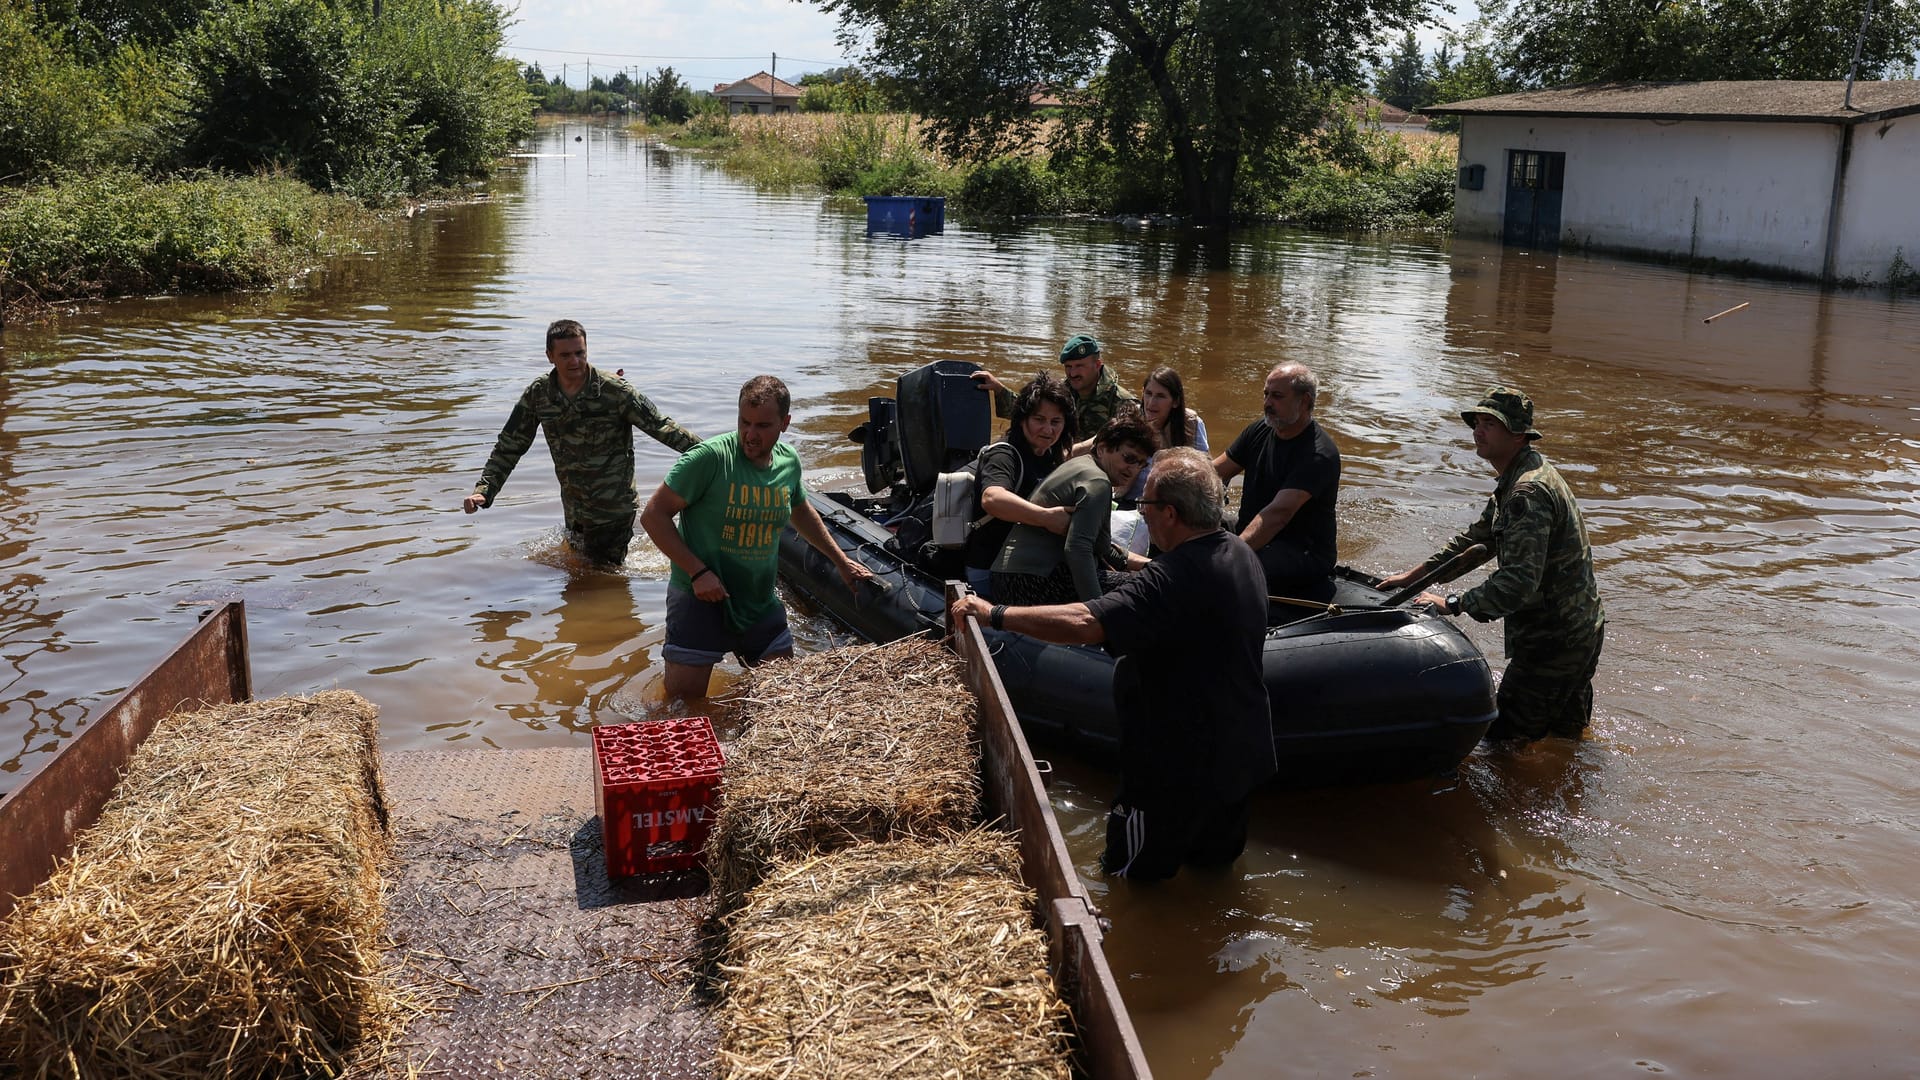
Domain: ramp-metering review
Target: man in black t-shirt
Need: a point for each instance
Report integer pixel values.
(1197, 733)
(1292, 485)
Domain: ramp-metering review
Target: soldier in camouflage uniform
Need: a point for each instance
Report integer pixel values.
(588, 419)
(1544, 586)
(1096, 394)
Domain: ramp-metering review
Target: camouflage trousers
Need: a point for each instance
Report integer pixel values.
(1548, 691)
(605, 543)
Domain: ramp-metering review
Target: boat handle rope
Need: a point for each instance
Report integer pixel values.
(1324, 609)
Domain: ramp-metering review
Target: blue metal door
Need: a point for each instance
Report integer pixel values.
(1534, 182)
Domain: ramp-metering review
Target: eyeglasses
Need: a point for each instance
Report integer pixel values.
(1152, 502)
(1134, 460)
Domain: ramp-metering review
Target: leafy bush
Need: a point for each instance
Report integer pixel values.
(1377, 181)
(1009, 187)
(708, 127)
(905, 172)
(49, 104)
(820, 98)
(850, 146)
(112, 232)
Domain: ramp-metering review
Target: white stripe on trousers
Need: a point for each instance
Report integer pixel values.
(1136, 833)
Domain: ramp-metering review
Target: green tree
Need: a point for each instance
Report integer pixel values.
(278, 83)
(1403, 81)
(440, 59)
(49, 102)
(667, 97)
(1187, 93)
(1557, 42)
(1476, 74)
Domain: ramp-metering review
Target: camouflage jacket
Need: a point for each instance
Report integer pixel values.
(1544, 586)
(590, 438)
(1092, 412)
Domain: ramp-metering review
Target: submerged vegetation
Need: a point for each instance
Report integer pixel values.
(1348, 176)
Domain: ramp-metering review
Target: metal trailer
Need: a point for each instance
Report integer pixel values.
(41, 817)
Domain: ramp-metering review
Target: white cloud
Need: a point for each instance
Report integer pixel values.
(705, 42)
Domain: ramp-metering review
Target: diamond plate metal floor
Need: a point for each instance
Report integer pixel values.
(503, 907)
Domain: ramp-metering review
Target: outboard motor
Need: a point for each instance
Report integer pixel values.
(879, 440)
(944, 419)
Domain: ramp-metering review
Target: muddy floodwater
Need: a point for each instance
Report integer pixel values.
(1719, 883)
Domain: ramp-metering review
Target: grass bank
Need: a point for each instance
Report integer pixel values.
(1363, 179)
(114, 233)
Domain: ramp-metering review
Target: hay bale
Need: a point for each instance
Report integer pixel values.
(223, 918)
(864, 743)
(914, 958)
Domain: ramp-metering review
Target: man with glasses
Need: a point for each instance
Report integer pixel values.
(1192, 749)
(1293, 481)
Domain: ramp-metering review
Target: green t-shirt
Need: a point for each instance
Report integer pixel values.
(735, 514)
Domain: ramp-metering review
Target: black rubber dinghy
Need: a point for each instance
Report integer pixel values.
(1362, 693)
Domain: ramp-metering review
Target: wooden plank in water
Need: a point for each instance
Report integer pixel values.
(40, 818)
(1075, 928)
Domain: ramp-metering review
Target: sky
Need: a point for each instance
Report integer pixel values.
(706, 42)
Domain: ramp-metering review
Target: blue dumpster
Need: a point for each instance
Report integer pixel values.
(910, 216)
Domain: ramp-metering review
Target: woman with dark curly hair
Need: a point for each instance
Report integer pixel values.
(1037, 567)
(1038, 437)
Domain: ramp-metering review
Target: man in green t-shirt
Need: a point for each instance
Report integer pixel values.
(734, 495)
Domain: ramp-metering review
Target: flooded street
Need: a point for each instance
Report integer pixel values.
(1719, 883)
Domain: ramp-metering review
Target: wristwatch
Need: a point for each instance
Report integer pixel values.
(1453, 603)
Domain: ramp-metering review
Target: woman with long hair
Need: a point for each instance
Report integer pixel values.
(1039, 435)
(1037, 567)
(1163, 404)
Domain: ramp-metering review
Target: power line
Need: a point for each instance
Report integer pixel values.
(510, 47)
(624, 56)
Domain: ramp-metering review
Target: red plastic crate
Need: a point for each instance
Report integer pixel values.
(657, 787)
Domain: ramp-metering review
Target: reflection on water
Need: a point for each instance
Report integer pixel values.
(1718, 883)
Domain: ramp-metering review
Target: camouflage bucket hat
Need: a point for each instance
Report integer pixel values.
(1079, 347)
(1509, 406)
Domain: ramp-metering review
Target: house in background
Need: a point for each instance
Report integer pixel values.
(759, 93)
(1371, 111)
(1779, 177)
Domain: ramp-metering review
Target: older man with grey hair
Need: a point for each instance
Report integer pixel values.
(1196, 735)
(1292, 483)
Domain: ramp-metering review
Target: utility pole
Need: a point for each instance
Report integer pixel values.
(1858, 39)
(773, 72)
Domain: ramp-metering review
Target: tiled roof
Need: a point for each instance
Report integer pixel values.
(759, 84)
(1388, 114)
(1757, 100)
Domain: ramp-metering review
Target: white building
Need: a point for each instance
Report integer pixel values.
(1779, 177)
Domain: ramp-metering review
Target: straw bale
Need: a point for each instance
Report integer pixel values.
(911, 958)
(223, 918)
(862, 743)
